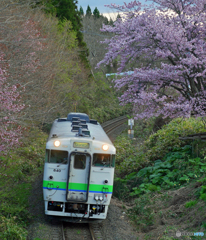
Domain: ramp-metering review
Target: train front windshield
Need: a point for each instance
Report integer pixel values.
(56, 156)
(103, 160)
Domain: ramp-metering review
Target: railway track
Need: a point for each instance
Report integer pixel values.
(72, 231)
(113, 124)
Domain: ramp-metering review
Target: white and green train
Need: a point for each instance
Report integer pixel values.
(78, 170)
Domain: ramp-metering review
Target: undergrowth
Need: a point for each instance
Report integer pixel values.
(18, 169)
(160, 163)
(132, 155)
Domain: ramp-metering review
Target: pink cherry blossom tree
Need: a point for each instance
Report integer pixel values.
(19, 44)
(164, 44)
(10, 106)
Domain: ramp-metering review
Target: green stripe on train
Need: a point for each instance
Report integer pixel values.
(52, 184)
(78, 186)
(100, 188)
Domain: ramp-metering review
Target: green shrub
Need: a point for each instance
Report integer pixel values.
(144, 188)
(203, 193)
(166, 139)
(177, 168)
(131, 156)
(120, 189)
(190, 203)
(17, 171)
(10, 230)
(142, 214)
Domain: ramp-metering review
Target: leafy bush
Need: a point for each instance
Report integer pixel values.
(167, 138)
(131, 157)
(9, 229)
(16, 173)
(178, 168)
(190, 203)
(174, 166)
(144, 128)
(144, 188)
(142, 214)
(203, 193)
(121, 190)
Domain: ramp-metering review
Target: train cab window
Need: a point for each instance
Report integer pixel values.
(47, 155)
(57, 156)
(79, 161)
(113, 161)
(101, 160)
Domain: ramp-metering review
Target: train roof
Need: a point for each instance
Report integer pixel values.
(62, 128)
(82, 116)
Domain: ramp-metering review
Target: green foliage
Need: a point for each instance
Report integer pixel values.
(127, 156)
(120, 189)
(111, 22)
(64, 9)
(96, 13)
(156, 146)
(67, 10)
(88, 11)
(144, 188)
(81, 11)
(9, 229)
(162, 162)
(204, 225)
(178, 168)
(203, 193)
(16, 176)
(142, 214)
(15, 203)
(64, 28)
(144, 128)
(167, 138)
(190, 203)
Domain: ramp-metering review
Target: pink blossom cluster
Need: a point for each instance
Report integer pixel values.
(10, 106)
(164, 45)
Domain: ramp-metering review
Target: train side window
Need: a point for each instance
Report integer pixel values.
(101, 160)
(113, 161)
(58, 156)
(80, 161)
(47, 155)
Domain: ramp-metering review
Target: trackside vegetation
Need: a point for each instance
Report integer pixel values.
(155, 168)
(17, 173)
(151, 146)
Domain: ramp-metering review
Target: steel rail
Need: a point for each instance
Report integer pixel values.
(95, 231)
(110, 122)
(91, 231)
(113, 124)
(88, 232)
(63, 235)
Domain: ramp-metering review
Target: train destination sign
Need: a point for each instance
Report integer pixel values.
(81, 145)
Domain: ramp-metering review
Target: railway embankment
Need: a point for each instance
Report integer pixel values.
(160, 178)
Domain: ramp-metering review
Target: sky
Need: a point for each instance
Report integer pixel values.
(100, 4)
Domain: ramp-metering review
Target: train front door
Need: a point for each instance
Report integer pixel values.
(78, 177)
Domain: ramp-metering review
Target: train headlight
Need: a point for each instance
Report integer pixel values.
(105, 147)
(57, 143)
